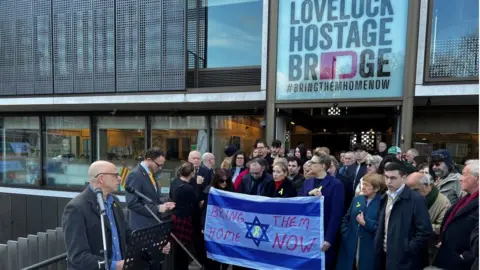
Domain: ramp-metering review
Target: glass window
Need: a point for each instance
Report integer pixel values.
(121, 140)
(177, 136)
(453, 40)
(241, 131)
(20, 150)
(233, 33)
(68, 148)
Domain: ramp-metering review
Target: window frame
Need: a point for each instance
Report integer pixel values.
(93, 117)
(426, 67)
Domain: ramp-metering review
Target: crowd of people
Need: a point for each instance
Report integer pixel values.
(386, 210)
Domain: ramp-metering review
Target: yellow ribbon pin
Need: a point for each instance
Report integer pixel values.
(256, 232)
(281, 191)
(358, 204)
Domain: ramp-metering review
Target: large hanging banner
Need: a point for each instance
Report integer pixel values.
(341, 49)
(264, 233)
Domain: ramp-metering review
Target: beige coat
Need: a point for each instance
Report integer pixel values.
(437, 211)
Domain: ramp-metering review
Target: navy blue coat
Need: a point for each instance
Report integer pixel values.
(409, 228)
(334, 199)
(138, 216)
(352, 231)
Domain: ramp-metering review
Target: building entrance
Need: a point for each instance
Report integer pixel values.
(338, 128)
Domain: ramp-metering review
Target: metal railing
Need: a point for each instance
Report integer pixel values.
(48, 262)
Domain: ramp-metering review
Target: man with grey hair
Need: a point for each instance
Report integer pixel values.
(455, 250)
(208, 160)
(411, 154)
(437, 204)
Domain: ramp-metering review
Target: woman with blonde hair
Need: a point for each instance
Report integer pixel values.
(280, 187)
(359, 225)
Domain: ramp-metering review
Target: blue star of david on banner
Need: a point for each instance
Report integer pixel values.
(257, 231)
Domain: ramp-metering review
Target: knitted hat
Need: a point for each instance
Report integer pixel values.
(442, 155)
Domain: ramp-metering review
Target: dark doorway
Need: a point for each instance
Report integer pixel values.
(317, 127)
(335, 142)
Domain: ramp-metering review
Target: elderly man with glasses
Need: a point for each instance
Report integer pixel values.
(437, 204)
(82, 225)
(142, 178)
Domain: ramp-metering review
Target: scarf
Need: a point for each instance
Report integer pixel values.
(432, 197)
(464, 201)
(278, 184)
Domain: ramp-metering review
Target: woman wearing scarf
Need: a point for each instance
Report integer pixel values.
(360, 224)
(455, 251)
(280, 187)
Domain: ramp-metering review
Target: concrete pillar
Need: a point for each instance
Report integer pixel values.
(281, 128)
(410, 73)
(270, 111)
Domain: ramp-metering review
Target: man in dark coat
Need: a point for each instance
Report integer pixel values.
(458, 224)
(254, 182)
(403, 225)
(474, 243)
(294, 174)
(82, 226)
(143, 180)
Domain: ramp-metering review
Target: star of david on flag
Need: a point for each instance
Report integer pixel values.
(259, 233)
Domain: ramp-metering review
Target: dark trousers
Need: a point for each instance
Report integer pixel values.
(180, 258)
(214, 265)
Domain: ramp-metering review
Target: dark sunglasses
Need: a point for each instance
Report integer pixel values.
(369, 164)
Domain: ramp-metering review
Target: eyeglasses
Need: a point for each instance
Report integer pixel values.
(255, 173)
(222, 181)
(369, 164)
(158, 165)
(112, 174)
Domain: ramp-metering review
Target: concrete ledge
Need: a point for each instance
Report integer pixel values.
(446, 90)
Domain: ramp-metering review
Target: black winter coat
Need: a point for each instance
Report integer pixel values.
(409, 228)
(286, 190)
(456, 239)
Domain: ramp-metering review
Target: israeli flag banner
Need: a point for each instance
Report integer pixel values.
(264, 233)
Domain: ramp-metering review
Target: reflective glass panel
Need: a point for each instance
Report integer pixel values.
(121, 140)
(20, 150)
(68, 147)
(233, 33)
(454, 39)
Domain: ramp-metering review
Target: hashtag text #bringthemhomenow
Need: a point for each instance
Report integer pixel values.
(332, 86)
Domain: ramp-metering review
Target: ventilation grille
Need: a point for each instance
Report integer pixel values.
(226, 77)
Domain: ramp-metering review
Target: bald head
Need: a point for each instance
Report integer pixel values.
(100, 166)
(194, 158)
(104, 175)
(413, 180)
(423, 183)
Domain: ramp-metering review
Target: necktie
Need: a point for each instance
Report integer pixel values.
(152, 180)
(196, 172)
